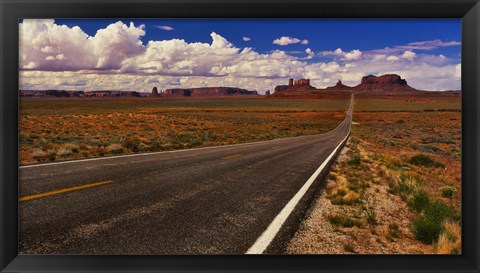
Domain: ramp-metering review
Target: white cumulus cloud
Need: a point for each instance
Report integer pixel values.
(310, 53)
(408, 55)
(42, 41)
(393, 58)
(284, 40)
(348, 56)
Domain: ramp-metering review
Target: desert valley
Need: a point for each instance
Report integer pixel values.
(395, 187)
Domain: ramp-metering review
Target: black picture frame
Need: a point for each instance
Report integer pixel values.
(12, 10)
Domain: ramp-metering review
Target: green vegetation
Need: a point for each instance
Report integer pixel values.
(419, 201)
(429, 224)
(425, 161)
(447, 192)
(355, 161)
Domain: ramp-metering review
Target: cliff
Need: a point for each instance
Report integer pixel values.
(387, 82)
(297, 85)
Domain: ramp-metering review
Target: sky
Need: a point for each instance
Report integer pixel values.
(256, 54)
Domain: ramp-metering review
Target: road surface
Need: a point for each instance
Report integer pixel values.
(218, 200)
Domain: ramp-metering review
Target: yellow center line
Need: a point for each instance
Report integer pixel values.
(276, 147)
(35, 196)
(230, 156)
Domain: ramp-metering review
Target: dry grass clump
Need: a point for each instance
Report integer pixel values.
(115, 148)
(38, 154)
(393, 232)
(450, 240)
(342, 220)
(341, 194)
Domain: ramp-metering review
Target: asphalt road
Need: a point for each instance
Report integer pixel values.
(216, 200)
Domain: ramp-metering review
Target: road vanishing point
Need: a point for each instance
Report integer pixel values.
(234, 199)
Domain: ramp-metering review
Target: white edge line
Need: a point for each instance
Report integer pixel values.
(269, 234)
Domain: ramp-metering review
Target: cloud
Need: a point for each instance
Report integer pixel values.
(429, 45)
(284, 40)
(458, 71)
(348, 56)
(60, 57)
(392, 58)
(408, 55)
(45, 45)
(246, 39)
(353, 55)
(422, 45)
(310, 53)
(167, 28)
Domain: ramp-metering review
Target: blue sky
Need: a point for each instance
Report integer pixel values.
(336, 49)
(322, 34)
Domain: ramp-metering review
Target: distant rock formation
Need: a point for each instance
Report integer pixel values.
(387, 82)
(267, 93)
(302, 82)
(207, 92)
(339, 86)
(293, 85)
(154, 92)
(281, 88)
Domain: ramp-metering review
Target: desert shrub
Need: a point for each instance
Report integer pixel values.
(51, 155)
(73, 147)
(332, 176)
(194, 142)
(428, 226)
(431, 149)
(115, 148)
(410, 175)
(349, 248)
(184, 138)
(400, 121)
(420, 200)
(64, 151)
(38, 154)
(425, 161)
(358, 186)
(344, 221)
(393, 232)
(450, 240)
(447, 192)
(345, 198)
(369, 209)
(355, 161)
(402, 187)
(131, 143)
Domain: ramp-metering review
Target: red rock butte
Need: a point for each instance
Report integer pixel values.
(386, 83)
(301, 84)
